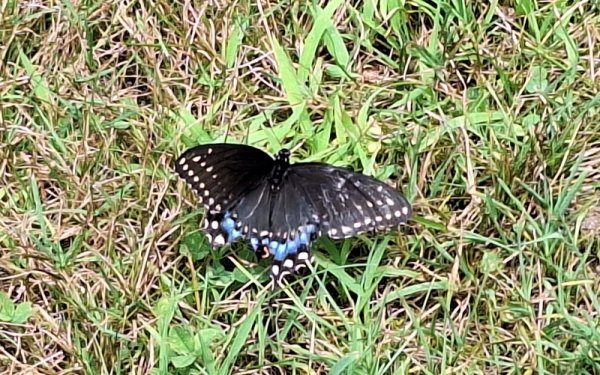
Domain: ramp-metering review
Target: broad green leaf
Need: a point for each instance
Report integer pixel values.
(311, 43)
(40, 88)
(233, 43)
(182, 361)
(538, 80)
(292, 85)
(22, 313)
(11, 312)
(181, 340)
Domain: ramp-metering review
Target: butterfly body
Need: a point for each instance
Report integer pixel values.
(278, 207)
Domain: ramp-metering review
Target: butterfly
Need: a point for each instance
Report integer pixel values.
(280, 208)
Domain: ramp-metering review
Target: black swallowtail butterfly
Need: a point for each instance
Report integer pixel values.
(281, 207)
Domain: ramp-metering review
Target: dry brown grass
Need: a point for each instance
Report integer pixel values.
(486, 115)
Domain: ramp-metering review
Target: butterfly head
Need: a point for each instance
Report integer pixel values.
(283, 156)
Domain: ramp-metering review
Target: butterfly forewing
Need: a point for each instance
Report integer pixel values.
(349, 203)
(221, 174)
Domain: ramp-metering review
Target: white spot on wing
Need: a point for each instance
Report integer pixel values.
(197, 159)
(203, 164)
(202, 185)
(388, 216)
(275, 269)
(209, 151)
(182, 161)
(378, 218)
(264, 233)
(368, 220)
(211, 201)
(209, 169)
(206, 193)
(333, 232)
(196, 179)
(185, 167)
(190, 172)
(389, 201)
(379, 189)
(219, 240)
(214, 224)
(288, 263)
(303, 255)
(369, 204)
(405, 210)
(346, 230)
(357, 225)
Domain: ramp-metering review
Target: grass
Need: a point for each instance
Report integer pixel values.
(484, 115)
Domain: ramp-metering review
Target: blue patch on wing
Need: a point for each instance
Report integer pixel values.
(279, 250)
(282, 250)
(228, 226)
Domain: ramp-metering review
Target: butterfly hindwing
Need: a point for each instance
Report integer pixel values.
(221, 174)
(294, 224)
(279, 223)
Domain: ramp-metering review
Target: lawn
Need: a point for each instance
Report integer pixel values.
(485, 115)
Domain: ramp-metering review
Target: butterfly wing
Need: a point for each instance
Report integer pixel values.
(320, 199)
(349, 203)
(222, 175)
(293, 223)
